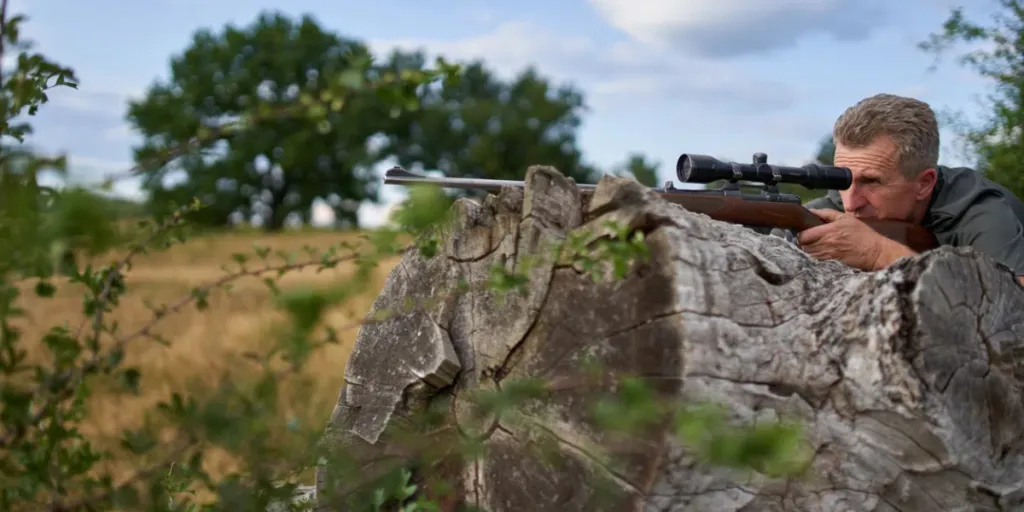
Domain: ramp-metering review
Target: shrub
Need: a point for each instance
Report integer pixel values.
(48, 460)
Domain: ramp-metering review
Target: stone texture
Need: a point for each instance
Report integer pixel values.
(907, 379)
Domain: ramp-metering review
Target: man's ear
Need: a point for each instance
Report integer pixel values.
(925, 183)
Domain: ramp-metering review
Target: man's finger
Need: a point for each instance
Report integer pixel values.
(826, 214)
(812, 235)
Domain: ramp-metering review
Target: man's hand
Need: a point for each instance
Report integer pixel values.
(847, 239)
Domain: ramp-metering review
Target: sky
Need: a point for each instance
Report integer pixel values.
(661, 77)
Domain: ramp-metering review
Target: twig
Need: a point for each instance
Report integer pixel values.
(3, 35)
(93, 363)
(115, 272)
(89, 502)
(3, 50)
(184, 301)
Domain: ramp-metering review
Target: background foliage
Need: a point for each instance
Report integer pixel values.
(257, 122)
(996, 141)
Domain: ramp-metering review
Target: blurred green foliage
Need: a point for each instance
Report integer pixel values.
(995, 142)
(48, 463)
(259, 148)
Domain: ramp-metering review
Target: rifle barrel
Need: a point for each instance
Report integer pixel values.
(766, 210)
(399, 176)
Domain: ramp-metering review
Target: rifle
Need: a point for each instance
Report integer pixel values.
(768, 208)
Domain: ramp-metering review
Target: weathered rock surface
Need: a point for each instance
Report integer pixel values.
(908, 379)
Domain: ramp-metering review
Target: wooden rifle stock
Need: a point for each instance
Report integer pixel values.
(788, 215)
(762, 210)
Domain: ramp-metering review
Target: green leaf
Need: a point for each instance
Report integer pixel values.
(45, 289)
(130, 378)
(201, 296)
(127, 497)
(138, 441)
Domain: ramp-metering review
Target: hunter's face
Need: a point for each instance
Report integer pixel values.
(879, 189)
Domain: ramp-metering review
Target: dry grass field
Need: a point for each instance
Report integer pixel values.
(205, 345)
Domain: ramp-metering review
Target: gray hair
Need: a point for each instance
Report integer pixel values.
(910, 123)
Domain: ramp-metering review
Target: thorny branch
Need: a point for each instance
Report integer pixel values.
(74, 375)
(90, 502)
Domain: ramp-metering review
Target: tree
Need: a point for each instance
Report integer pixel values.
(639, 167)
(484, 127)
(279, 162)
(826, 151)
(53, 458)
(997, 142)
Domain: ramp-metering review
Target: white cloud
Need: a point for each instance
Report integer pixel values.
(94, 100)
(482, 15)
(507, 49)
(724, 28)
(629, 70)
(90, 171)
(122, 133)
(87, 169)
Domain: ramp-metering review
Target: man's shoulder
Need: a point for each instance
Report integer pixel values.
(963, 189)
(971, 210)
(957, 179)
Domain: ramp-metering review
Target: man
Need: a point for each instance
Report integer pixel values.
(891, 144)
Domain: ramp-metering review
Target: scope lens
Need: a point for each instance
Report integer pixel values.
(702, 169)
(683, 167)
(707, 169)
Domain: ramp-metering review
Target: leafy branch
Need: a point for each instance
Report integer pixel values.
(48, 460)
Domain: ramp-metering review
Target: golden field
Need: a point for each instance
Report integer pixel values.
(204, 345)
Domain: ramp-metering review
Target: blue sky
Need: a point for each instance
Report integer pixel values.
(661, 77)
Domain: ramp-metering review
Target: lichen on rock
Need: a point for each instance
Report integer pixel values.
(906, 380)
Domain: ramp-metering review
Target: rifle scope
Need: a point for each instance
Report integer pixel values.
(706, 169)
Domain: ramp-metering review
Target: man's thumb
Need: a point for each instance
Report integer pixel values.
(826, 214)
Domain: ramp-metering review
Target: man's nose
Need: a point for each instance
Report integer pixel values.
(854, 199)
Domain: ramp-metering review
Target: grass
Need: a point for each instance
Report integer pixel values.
(206, 345)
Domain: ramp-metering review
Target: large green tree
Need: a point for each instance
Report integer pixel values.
(275, 160)
(639, 167)
(486, 127)
(826, 153)
(997, 141)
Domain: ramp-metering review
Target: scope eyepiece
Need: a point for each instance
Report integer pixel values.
(707, 169)
(826, 177)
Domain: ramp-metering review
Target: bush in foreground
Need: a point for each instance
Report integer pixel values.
(47, 460)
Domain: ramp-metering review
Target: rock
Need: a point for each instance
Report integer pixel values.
(906, 379)
(303, 498)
